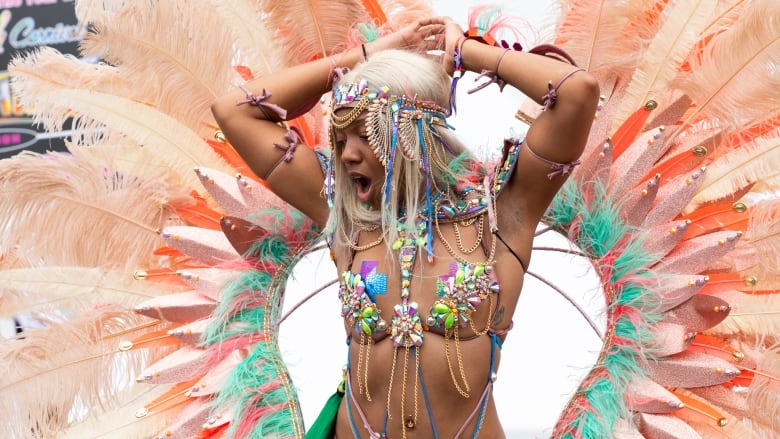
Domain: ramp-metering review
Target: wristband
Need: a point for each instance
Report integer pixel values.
(457, 71)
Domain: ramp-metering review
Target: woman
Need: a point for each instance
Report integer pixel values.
(432, 245)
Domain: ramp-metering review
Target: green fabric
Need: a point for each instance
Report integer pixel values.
(324, 426)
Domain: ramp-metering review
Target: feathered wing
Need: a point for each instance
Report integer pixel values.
(679, 190)
(256, 45)
(132, 250)
(312, 29)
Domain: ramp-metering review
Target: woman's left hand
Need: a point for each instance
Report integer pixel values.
(452, 35)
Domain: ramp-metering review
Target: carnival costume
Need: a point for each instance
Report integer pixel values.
(162, 289)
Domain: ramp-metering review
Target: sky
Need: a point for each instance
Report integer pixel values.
(551, 346)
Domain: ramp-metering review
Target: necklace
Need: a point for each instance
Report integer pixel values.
(455, 254)
(467, 223)
(360, 248)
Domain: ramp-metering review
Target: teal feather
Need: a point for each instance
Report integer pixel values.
(596, 227)
(259, 389)
(367, 32)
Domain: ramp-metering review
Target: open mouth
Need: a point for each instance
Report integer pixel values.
(363, 185)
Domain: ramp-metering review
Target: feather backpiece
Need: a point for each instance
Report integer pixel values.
(160, 295)
(312, 29)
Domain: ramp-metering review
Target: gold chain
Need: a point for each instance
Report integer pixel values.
(463, 393)
(365, 367)
(360, 248)
(360, 365)
(458, 257)
(467, 223)
(489, 322)
(363, 379)
(340, 122)
(390, 386)
(403, 391)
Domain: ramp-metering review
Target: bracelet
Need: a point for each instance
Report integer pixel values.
(262, 103)
(549, 99)
(492, 75)
(457, 71)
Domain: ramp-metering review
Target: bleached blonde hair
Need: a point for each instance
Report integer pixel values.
(419, 78)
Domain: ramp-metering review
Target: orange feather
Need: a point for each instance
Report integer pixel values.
(696, 411)
(713, 218)
(213, 433)
(164, 274)
(375, 11)
(197, 213)
(628, 131)
(720, 282)
(176, 395)
(744, 379)
(679, 164)
(226, 151)
(753, 132)
(714, 346)
(245, 72)
(308, 134)
(157, 338)
(168, 251)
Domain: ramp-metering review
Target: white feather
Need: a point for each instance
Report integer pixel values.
(667, 51)
(52, 287)
(254, 43)
(739, 168)
(730, 82)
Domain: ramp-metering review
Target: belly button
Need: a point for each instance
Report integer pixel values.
(409, 422)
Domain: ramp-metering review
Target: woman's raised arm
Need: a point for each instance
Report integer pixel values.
(249, 117)
(557, 138)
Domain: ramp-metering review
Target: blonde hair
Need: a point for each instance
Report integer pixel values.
(421, 79)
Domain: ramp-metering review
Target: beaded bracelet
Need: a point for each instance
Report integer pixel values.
(457, 71)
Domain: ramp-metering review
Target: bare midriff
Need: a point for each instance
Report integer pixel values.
(452, 392)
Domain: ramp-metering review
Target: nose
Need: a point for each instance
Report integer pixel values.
(352, 152)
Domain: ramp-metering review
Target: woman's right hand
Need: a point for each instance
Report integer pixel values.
(420, 36)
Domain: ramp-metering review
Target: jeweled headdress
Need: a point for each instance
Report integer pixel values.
(406, 118)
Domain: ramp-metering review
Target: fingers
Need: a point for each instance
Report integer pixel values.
(432, 43)
(431, 20)
(431, 30)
